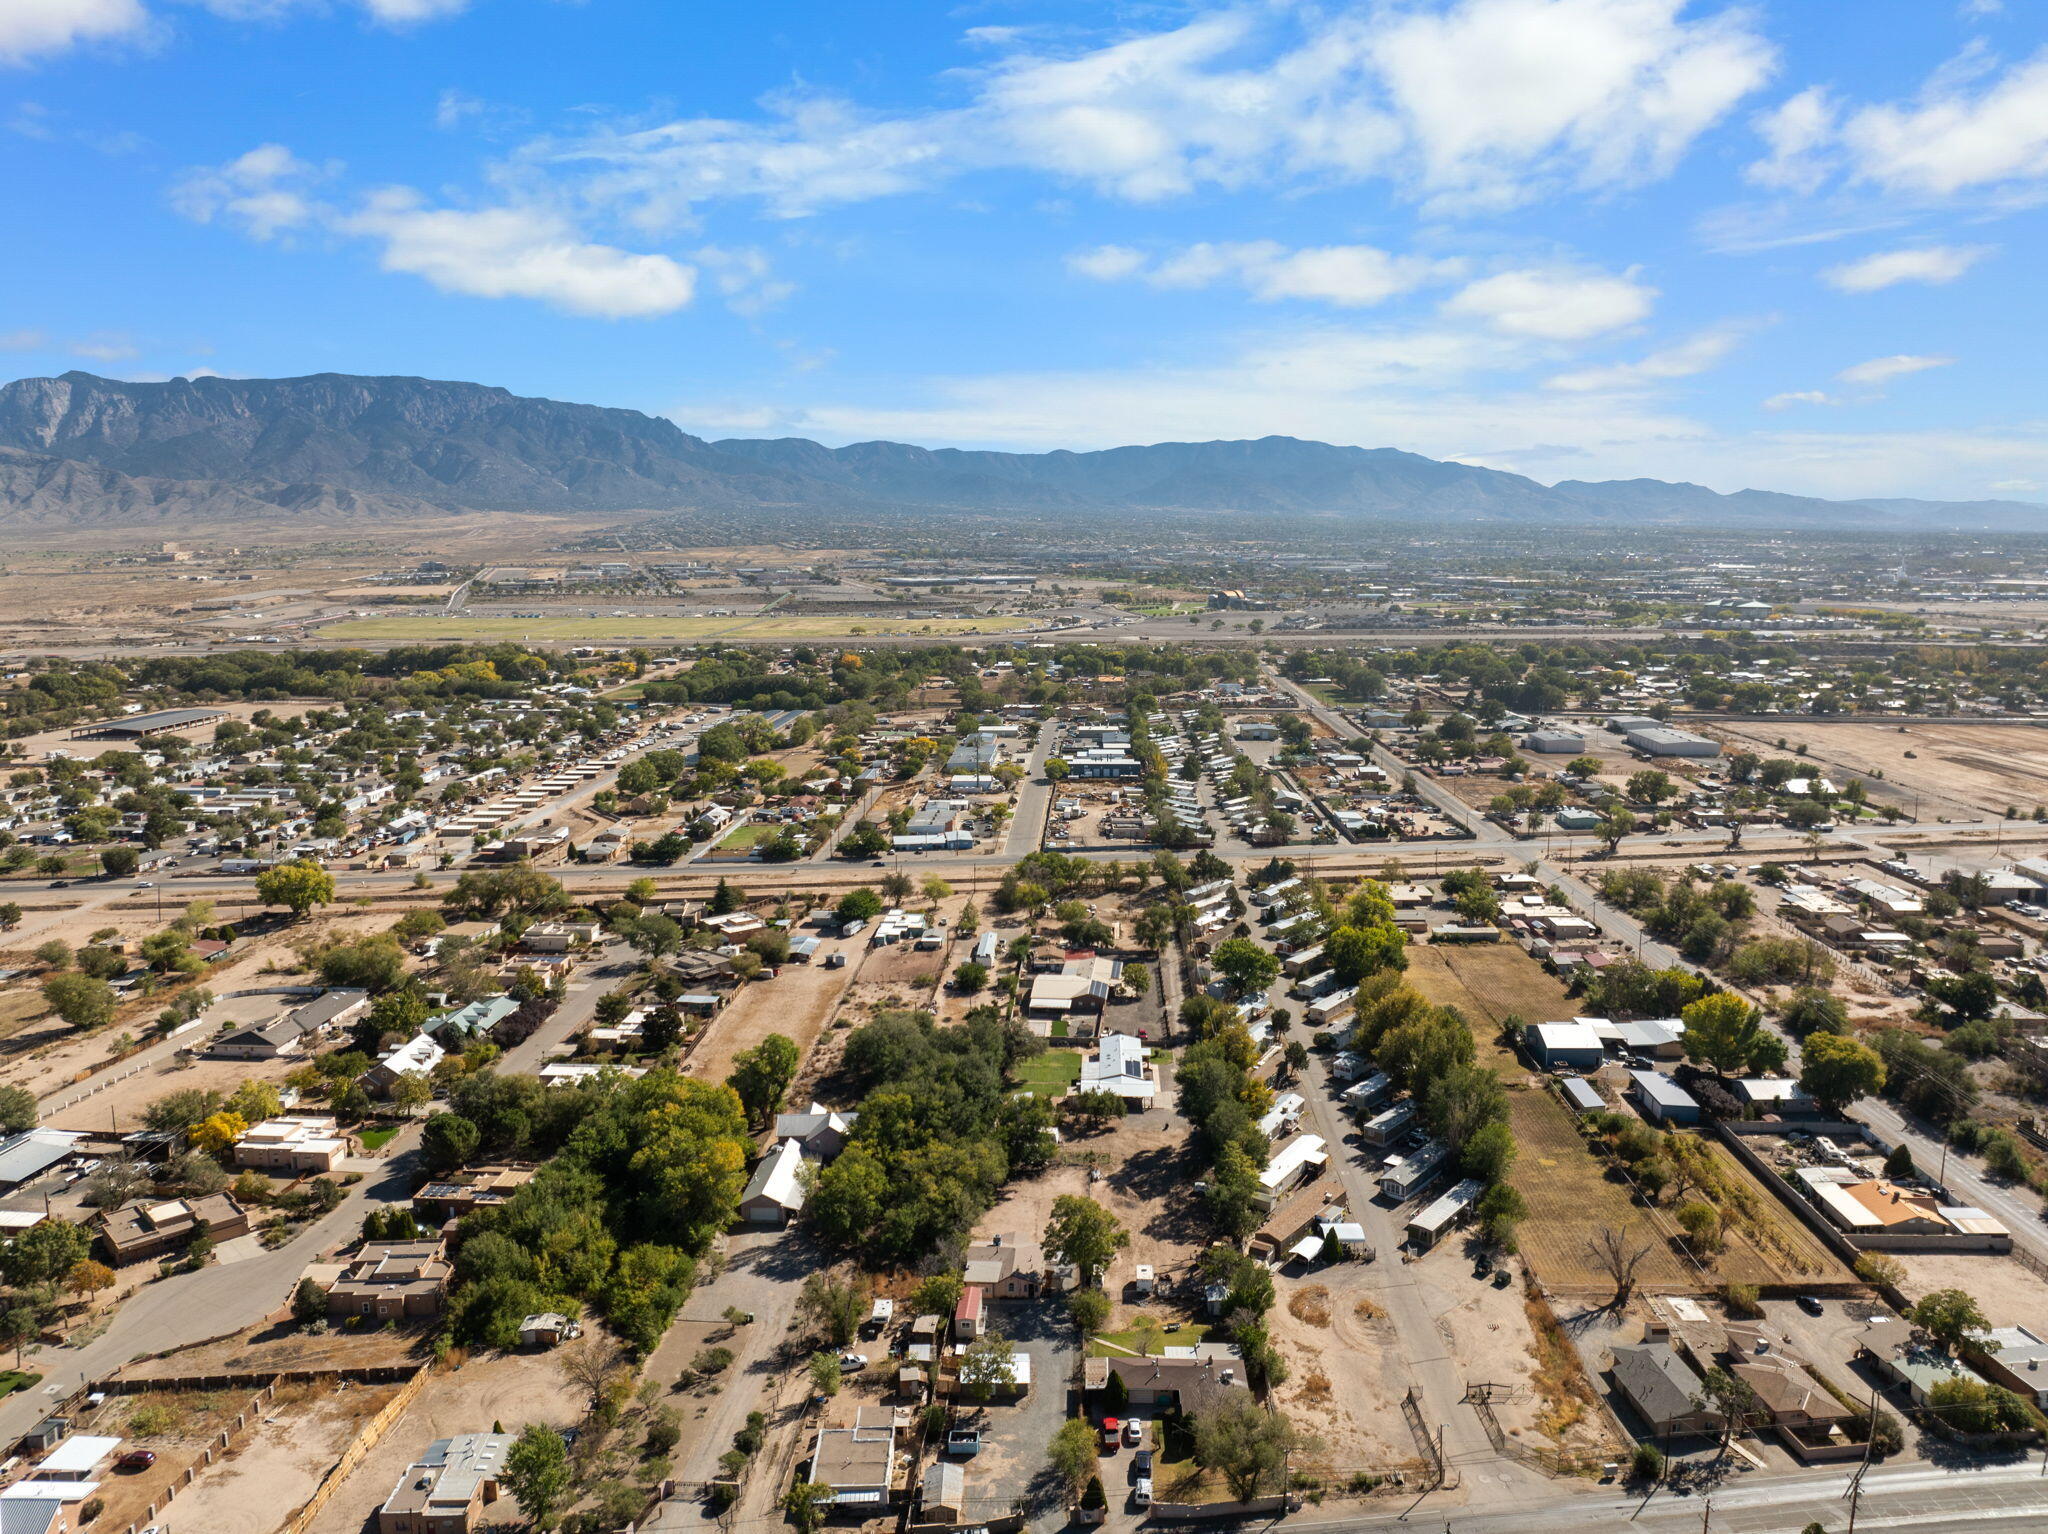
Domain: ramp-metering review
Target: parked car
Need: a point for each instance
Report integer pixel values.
(1141, 1493)
(136, 1459)
(1134, 1431)
(1141, 1462)
(851, 1362)
(1810, 1303)
(1111, 1432)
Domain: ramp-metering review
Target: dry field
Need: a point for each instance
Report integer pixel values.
(1346, 1376)
(2008, 1293)
(796, 1004)
(1957, 770)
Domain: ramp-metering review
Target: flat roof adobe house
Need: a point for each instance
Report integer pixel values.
(446, 1487)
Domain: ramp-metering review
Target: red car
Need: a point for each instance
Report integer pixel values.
(136, 1459)
(1111, 1431)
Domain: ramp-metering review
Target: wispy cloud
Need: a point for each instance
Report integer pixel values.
(1346, 276)
(1924, 263)
(1555, 303)
(1882, 370)
(1692, 356)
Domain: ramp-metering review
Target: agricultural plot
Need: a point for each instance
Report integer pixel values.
(1958, 770)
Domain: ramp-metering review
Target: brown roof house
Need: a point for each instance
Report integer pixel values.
(152, 1228)
(392, 1281)
(1005, 1268)
(443, 1491)
(1190, 1382)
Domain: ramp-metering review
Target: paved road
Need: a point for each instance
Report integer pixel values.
(1914, 1498)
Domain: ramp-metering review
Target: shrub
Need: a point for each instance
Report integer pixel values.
(1647, 1463)
(711, 1361)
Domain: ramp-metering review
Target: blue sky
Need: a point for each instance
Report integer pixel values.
(1794, 244)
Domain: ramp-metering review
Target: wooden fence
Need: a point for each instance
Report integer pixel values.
(367, 1438)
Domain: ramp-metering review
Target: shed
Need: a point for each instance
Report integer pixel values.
(1581, 1096)
(1573, 1044)
(1663, 1099)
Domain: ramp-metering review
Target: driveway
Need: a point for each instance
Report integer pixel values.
(1012, 1464)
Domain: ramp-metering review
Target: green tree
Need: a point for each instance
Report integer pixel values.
(1090, 1310)
(448, 1141)
(18, 1110)
(805, 1505)
(861, 904)
(833, 1306)
(1249, 968)
(1724, 1032)
(80, 1000)
(298, 887)
(1836, 1070)
(309, 1303)
(119, 862)
(1358, 952)
(825, 1373)
(537, 1475)
(986, 1365)
(1952, 1319)
(1084, 1235)
(1072, 1453)
(1244, 1443)
(762, 1075)
(972, 978)
(41, 1256)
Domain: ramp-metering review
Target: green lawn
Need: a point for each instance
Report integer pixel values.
(377, 1139)
(12, 1380)
(1050, 1074)
(742, 837)
(1155, 1338)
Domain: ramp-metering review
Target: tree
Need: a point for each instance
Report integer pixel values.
(1650, 786)
(725, 899)
(762, 1075)
(1072, 1453)
(1358, 952)
(833, 1307)
(217, 1133)
(861, 904)
(971, 977)
(1729, 1397)
(309, 1303)
(410, 1093)
(805, 1505)
(119, 862)
(1089, 1308)
(537, 1474)
(1614, 825)
(1084, 1235)
(1244, 1443)
(1249, 968)
(1500, 1210)
(448, 1140)
(299, 887)
(1813, 1010)
(1619, 1257)
(986, 1364)
(80, 1000)
(21, 1322)
(1489, 1153)
(41, 1256)
(1836, 1070)
(1951, 1318)
(18, 1109)
(1701, 1223)
(825, 1373)
(1726, 1033)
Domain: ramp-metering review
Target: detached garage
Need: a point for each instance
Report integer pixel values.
(1575, 1046)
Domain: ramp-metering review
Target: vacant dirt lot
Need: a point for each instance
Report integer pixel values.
(2007, 1293)
(1955, 770)
(279, 1466)
(1346, 1377)
(510, 1388)
(796, 1004)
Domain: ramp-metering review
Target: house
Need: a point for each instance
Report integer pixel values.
(474, 1021)
(857, 1462)
(1005, 1268)
(1662, 1388)
(1293, 1219)
(1407, 1176)
(444, 1490)
(147, 1228)
(294, 1031)
(1190, 1383)
(1918, 1367)
(1575, 1046)
(1303, 1155)
(2020, 1364)
(1793, 1398)
(417, 1056)
(1430, 1224)
(1081, 984)
(392, 1281)
(821, 1132)
(297, 1145)
(1663, 1099)
(1119, 1065)
(1774, 1094)
(970, 1315)
(42, 1507)
(1576, 817)
(776, 1191)
(547, 1330)
(455, 1195)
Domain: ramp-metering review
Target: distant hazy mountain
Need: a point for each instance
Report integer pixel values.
(86, 450)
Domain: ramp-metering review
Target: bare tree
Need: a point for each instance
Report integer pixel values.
(596, 1368)
(1618, 1257)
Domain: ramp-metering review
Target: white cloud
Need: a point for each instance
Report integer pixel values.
(1694, 355)
(29, 28)
(744, 277)
(1926, 263)
(1882, 370)
(1554, 304)
(510, 251)
(1800, 397)
(1347, 276)
(1972, 126)
(264, 193)
(390, 13)
(1478, 103)
(1107, 263)
(23, 340)
(515, 252)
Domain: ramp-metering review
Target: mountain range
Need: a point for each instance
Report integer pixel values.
(84, 450)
